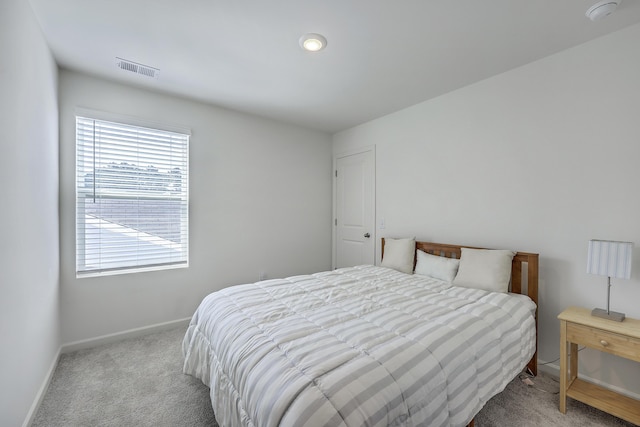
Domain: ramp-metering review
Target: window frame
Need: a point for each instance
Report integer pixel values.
(80, 238)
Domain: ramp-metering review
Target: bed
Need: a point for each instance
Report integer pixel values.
(363, 346)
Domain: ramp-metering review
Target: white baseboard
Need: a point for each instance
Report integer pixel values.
(119, 336)
(42, 391)
(554, 371)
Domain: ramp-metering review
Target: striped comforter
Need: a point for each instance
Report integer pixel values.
(361, 346)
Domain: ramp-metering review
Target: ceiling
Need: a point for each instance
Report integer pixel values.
(382, 55)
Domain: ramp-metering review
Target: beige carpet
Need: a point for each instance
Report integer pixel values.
(138, 382)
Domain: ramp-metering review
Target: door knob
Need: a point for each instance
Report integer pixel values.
(367, 235)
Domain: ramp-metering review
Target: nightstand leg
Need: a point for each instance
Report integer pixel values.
(563, 366)
(573, 363)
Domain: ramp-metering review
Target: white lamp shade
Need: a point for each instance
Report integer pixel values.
(609, 258)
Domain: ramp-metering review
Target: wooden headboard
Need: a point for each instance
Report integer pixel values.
(520, 258)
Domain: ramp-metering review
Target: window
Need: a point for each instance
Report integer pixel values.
(132, 198)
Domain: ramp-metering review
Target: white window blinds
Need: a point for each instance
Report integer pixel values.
(132, 205)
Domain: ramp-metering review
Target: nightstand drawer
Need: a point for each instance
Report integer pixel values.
(625, 346)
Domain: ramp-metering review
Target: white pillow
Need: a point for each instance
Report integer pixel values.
(398, 254)
(438, 267)
(485, 269)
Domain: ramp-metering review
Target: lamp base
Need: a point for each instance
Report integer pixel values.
(611, 315)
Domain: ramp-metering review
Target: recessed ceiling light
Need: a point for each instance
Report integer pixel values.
(313, 42)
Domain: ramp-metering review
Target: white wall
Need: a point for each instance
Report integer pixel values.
(260, 200)
(29, 321)
(539, 159)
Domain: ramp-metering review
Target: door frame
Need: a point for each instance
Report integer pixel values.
(334, 227)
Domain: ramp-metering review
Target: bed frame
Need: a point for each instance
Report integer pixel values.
(520, 258)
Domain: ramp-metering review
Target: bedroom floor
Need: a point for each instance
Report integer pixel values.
(139, 382)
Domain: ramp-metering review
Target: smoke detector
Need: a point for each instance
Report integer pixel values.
(134, 67)
(602, 9)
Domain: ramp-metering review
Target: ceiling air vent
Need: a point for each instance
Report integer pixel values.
(134, 67)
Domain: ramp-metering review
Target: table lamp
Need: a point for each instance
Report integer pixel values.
(611, 259)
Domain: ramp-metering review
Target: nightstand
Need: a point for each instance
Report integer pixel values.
(578, 327)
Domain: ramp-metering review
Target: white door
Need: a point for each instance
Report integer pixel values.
(354, 222)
